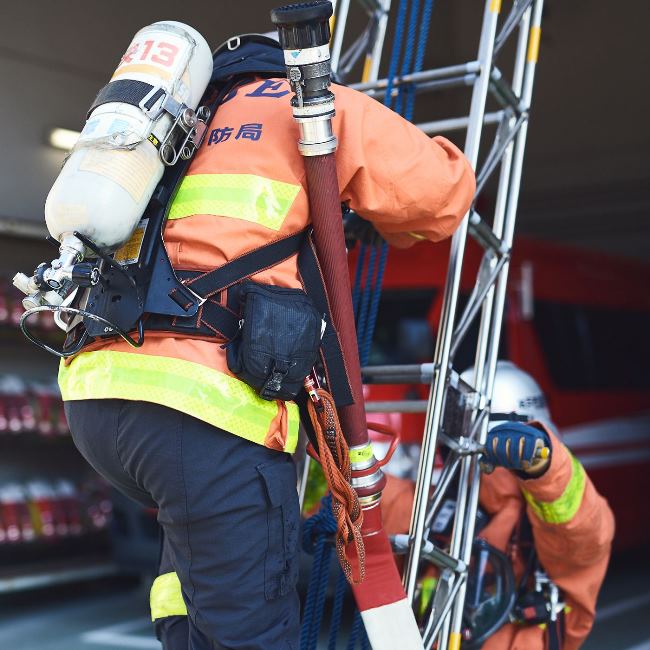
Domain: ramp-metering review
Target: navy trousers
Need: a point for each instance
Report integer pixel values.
(229, 513)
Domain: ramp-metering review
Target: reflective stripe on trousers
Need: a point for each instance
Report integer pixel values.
(166, 598)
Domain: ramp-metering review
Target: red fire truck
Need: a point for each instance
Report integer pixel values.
(577, 321)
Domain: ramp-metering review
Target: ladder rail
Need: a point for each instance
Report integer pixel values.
(378, 12)
(493, 311)
(373, 60)
(342, 9)
(452, 286)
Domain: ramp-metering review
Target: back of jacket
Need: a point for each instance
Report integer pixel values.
(245, 188)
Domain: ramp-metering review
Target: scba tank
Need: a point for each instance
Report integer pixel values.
(108, 179)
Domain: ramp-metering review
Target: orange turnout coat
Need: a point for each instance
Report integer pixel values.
(245, 188)
(572, 526)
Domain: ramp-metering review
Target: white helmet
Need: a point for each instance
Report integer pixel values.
(515, 391)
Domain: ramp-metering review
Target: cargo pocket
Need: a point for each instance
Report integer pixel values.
(281, 561)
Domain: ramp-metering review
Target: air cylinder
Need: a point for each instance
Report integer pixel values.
(108, 179)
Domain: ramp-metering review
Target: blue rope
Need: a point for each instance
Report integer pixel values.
(397, 49)
(324, 549)
(365, 642)
(358, 633)
(315, 533)
(364, 294)
(362, 331)
(356, 289)
(310, 622)
(425, 23)
(337, 610)
(407, 62)
(374, 305)
(354, 634)
(366, 298)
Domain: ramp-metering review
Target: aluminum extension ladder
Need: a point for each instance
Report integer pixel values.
(464, 438)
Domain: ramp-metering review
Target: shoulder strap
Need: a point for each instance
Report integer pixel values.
(335, 368)
(214, 318)
(212, 282)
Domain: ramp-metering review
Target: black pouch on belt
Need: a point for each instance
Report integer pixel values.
(278, 340)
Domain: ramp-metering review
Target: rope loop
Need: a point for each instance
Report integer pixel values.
(334, 456)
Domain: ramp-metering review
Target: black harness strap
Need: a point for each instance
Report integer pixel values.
(214, 319)
(207, 284)
(126, 91)
(337, 374)
(221, 321)
(555, 633)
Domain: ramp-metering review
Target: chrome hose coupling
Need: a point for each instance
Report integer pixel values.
(304, 32)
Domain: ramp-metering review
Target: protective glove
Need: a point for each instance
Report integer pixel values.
(519, 447)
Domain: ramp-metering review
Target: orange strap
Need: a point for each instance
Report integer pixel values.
(334, 456)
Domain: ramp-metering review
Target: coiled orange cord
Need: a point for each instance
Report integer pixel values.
(334, 457)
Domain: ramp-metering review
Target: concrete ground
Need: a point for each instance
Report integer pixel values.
(112, 615)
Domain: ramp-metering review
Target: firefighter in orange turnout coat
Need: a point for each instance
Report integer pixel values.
(572, 525)
(169, 424)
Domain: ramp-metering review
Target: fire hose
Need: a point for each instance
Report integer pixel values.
(304, 35)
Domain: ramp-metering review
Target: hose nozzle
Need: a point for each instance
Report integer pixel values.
(304, 33)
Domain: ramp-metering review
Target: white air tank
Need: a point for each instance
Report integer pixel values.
(108, 179)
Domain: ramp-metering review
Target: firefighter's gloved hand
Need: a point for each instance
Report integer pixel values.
(519, 447)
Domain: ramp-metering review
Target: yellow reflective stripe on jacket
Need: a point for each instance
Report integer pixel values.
(166, 598)
(239, 196)
(194, 389)
(565, 507)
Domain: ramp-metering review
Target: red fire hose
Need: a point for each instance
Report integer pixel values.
(304, 36)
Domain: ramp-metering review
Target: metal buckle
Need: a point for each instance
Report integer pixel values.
(191, 126)
(199, 299)
(186, 133)
(233, 43)
(171, 106)
(157, 109)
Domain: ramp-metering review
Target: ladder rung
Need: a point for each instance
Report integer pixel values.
(485, 236)
(397, 406)
(457, 123)
(471, 67)
(421, 373)
(431, 552)
(429, 86)
(503, 92)
(442, 559)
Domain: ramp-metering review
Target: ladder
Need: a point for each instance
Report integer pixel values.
(464, 438)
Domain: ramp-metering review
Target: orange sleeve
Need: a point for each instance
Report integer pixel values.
(408, 185)
(573, 528)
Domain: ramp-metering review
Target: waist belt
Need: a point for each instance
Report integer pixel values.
(219, 318)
